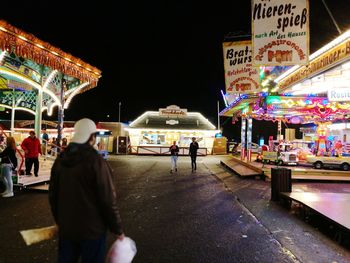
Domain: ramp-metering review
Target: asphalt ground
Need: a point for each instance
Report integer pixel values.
(207, 216)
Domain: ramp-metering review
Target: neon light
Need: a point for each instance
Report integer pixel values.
(224, 98)
(23, 38)
(2, 56)
(75, 92)
(319, 52)
(16, 75)
(273, 100)
(18, 108)
(171, 130)
(156, 113)
(49, 78)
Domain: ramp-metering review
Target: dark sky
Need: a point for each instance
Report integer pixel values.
(152, 53)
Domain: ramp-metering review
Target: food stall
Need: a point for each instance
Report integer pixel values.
(154, 131)
(316, 93)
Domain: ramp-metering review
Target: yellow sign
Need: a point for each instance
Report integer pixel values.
(317, 65)
(240, 75)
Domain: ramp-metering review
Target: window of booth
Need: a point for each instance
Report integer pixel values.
(152, 139)
(185, 140)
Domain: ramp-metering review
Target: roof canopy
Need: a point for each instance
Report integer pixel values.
(29, 65)
(28, 46)
(183, 121)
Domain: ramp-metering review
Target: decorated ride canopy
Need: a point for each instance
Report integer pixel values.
(30, 67)
(316, 92)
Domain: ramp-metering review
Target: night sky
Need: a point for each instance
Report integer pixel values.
(153, 53)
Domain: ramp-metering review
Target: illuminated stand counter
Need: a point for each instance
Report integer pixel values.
(154, 131)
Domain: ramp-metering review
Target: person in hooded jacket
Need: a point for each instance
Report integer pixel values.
(83, 199)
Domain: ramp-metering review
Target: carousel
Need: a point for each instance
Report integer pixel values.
(36, 77)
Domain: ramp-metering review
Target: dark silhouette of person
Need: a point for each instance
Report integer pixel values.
(193, 153)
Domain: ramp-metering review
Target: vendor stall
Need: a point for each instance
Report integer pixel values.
(154, 131)
(316, 93)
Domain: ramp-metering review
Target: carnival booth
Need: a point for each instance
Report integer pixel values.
(36, 77)
(317, 93)
(154, 131)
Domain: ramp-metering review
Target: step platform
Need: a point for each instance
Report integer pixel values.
(334, 206)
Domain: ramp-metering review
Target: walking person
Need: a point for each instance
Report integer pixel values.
(193, 153)
(8, 165)
(32, 149)
(174, 152)
(83, 198)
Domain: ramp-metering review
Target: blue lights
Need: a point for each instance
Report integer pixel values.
(308, 102)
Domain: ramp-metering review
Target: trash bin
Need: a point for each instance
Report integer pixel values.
(281, 181)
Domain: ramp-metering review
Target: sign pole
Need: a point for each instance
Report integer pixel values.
(119, 111)
(218, 116)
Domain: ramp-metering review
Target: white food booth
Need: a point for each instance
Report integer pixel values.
(154, 131)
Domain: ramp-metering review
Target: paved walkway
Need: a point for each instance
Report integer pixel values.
(303, 240)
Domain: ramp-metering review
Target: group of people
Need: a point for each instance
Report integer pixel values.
(50, 146)
(82, 195)
(31, 147)
(174, 154)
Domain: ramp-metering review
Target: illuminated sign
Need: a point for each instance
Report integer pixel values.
(172, 122)
(240, 75)
(317, 65)
(19, 67)
(339, 94)
(218, 135)
(280, 32)
(173, 110)
(31, 122)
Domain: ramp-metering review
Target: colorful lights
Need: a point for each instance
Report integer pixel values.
(50, 77)
(75, 92)
(273, 99)
(319, 52)
(224, 98)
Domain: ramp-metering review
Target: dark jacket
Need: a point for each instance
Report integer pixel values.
(174, 150)
(82, 196)
(9, 156)
(193, 148)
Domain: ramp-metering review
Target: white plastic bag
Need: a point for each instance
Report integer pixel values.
(122, 251)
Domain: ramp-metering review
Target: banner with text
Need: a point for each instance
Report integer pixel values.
(240, 75)
(280, 32)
